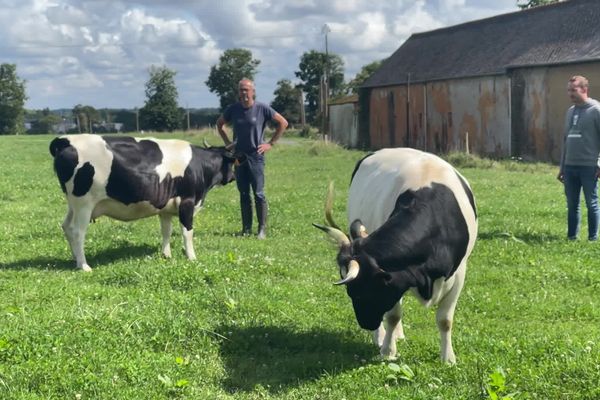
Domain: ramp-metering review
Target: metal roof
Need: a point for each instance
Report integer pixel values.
(559, 33)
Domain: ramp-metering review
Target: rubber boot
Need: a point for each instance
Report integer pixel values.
(261, 215)
(246, 208)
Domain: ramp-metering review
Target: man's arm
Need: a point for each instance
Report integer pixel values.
(220, 124)
(282, 124)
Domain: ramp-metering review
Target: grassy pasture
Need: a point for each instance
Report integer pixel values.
(261, 319)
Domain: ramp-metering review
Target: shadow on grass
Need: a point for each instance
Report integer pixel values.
(522, 237)
(277, 359)
(100, 258)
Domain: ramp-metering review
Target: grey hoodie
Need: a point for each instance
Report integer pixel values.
(582, 135)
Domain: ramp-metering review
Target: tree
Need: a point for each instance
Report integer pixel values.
(525, 4)
(287, 100)
(365, 72)
(85, 117)
(161, 112)
(312, 68)
(12, 100)
(127, 118)
(223, 79)
(45, 123)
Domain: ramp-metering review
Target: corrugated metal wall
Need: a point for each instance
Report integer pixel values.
(441, 114)
(478, 107)
(343, 124)
(389, 125)
(540, 103)
(518, 114)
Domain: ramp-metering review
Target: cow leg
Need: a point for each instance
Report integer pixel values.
(188, 243)
(67, 227)
(186, 218)
(378, 336)
(392, 321)
(166, 229)
(445, 316)
(77, 226)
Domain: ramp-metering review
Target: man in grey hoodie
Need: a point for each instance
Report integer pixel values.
(580, 159)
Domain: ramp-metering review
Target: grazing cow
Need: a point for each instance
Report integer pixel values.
(129, 178)
(422, 220)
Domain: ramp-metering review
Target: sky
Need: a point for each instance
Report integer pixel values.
(98, 52)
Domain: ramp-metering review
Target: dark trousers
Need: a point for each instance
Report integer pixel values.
(576, 179)
(251, 175)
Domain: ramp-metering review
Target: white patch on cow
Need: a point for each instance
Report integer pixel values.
(92, 149)
(172, 206)
(177, 155)
(122, 212)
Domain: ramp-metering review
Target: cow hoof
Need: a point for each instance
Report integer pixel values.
(86, 268)
(449, 360)
(388, 357)
(388, 353)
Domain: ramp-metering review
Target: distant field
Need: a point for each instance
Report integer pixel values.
(261, 319)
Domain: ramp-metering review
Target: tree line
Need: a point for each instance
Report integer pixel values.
(161, 111)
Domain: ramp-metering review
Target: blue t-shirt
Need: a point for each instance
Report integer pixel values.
(248, 124)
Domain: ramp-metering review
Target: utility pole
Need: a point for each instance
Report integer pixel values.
(137, 120)
(302, 115)
(325, 30)
(188, 115)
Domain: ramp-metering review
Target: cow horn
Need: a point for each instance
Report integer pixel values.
(329, 207)
(205, 143)
(353, 269)
(339, 236)
(231, 146)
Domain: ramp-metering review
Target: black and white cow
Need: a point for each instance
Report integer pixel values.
(129, 178)
(422, 220)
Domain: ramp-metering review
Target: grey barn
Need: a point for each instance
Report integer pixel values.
(496, 85)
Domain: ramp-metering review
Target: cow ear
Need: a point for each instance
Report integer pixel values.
(384, 277)
(358, 230)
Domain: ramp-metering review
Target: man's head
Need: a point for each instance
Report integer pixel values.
(246, 92)
(577, 89)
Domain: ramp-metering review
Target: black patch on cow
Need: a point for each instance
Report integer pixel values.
(65, 160)
(424, 239)
(469, 194)
(133, 176)
(84, 177)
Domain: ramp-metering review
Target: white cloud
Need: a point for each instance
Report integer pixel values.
(98, 53)
(66, 15)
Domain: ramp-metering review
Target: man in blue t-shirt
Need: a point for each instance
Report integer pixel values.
(249, 119)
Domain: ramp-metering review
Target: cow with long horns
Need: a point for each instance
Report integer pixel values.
(422, 220)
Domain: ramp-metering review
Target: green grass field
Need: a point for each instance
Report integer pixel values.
(261, 319)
